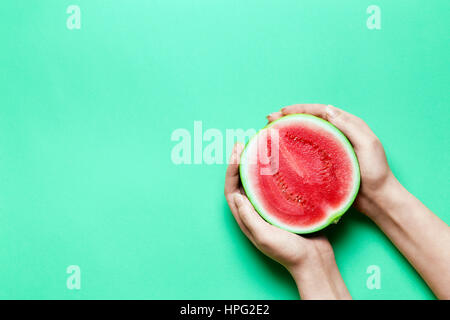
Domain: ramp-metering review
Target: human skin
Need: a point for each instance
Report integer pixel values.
(309, 260)
(418, 234)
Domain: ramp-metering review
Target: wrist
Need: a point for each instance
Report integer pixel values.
(314, 278)
(381, 202)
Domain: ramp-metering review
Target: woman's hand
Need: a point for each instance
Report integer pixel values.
(309, 260)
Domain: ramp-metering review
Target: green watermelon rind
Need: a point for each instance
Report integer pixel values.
(333, 218)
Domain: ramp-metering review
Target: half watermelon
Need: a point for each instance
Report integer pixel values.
(300, 173)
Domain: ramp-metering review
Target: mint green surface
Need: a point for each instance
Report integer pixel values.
(86, 116)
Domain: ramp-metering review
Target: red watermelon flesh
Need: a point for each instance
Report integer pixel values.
(300, 173)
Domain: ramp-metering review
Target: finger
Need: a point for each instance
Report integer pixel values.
(274, 116)
(241, 225)
(232, 185)
(356, 130)
(234, 210)
(257, 227)
(314, 109)
(353, 127)
(232, 173)
(318, 110)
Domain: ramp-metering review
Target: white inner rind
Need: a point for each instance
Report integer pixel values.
(250, 186)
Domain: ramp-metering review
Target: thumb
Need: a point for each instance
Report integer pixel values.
(249, 217)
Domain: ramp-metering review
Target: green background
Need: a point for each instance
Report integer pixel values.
(86, 116)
